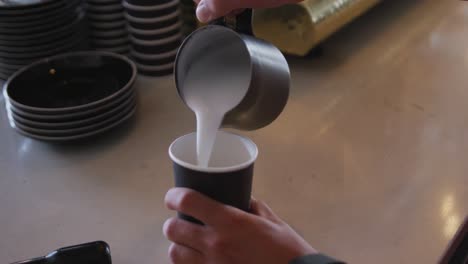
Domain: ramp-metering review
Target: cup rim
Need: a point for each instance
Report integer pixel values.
(241, 166)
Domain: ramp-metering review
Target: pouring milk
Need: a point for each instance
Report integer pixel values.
(212, 97)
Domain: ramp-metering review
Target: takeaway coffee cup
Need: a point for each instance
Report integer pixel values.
(227, 179)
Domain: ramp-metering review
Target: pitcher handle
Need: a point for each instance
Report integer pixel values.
(241, 23)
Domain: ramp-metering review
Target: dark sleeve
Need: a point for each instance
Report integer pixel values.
(315, 259)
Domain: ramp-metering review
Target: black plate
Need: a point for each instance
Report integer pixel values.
(68, 124)
(7, 72)
(39, 15)
(77, 130)
(22, 22)
(59, 46)
(77, 136)
(4, 76)
(78, 46)
(70, 82)
(54, 118)
(74, 36)
(39, 27)
(23, 4)
(45, 35)
(14, 65)
(31, 10)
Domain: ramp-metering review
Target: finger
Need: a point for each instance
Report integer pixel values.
(185, 233)
(208, 10)
(262, 209)
(204, 13)
(197, 205)
(179, 254)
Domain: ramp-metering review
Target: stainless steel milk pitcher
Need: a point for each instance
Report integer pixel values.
(268, 90)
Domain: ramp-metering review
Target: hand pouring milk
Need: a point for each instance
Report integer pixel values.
(212, 90)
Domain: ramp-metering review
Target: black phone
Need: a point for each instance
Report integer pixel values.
(457, 251)
(97, 252)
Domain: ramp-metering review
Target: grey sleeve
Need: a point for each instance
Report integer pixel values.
(315, 259)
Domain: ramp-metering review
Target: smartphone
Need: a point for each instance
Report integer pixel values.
(457, 251)
(97, 252)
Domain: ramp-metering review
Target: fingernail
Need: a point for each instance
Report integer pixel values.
(203, 12)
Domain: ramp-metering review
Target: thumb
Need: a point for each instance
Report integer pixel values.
(203, 12)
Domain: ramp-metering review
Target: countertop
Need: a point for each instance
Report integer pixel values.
(367, 162)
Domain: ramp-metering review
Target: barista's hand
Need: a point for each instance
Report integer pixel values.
(230, 236)
(208, 10)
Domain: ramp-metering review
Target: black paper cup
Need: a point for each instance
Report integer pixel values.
(228, 179)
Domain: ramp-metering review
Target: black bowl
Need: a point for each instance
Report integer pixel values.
(105, 9)
(162, 42)
(147, 2)
(155, 49)
(153, 37)
(109, 34)
(70, 82)
(153, 59)
(156, 62)
(156, 70)
(119, 49)
(138, 24)
(152, 11)
(106, 25)
(109, 40)
(156, 73)
(96, 17)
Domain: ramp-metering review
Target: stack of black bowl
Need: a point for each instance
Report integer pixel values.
(34, 29)
(155, 29)
(71, 96)
(108, 30)
(188, 16)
